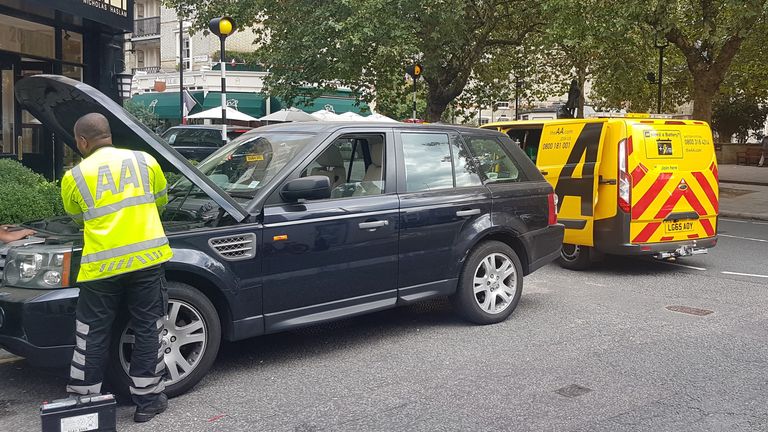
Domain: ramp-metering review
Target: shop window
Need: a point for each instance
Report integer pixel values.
(72, 46)
(26, 37)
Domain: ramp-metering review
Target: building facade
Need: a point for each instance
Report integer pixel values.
(79, 39)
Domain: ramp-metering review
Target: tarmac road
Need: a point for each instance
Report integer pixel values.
(637, 365)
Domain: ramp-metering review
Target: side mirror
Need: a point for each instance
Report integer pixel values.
(306, 188)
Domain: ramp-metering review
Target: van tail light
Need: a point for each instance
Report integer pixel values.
(625, 180)
(552, 198)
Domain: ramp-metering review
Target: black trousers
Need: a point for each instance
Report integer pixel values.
(143, 295)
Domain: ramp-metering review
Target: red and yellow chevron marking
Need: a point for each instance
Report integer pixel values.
(674, 193)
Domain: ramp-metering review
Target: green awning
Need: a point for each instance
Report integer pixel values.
(165, 105)
(253, 104)
(340, 105)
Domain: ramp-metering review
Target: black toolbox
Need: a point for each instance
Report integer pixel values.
(79, 414)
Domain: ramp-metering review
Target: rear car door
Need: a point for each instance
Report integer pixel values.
(335, 257)
(569, 158)
(674, 181)
(442, 200)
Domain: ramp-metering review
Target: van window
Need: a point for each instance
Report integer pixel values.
(494, 162)
(528, 140)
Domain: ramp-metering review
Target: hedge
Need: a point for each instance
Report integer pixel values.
(25, 195)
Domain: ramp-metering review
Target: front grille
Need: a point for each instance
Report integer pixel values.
(3, 253)
(236, 247)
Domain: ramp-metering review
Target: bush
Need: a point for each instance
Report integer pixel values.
(26, 196)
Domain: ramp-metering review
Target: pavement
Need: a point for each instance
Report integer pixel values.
(743, 192)
(599, 350)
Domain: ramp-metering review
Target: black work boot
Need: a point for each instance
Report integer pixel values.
(148, 413)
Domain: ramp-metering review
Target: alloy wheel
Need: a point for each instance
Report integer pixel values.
(495, 283)
(184, 340)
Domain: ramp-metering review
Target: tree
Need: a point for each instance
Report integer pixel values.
(142, 113)
(366, 44)
(738, 115)
(709, 34)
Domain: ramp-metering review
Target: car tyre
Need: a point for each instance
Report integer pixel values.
(490, 284)
(575, 257)
(188, 308)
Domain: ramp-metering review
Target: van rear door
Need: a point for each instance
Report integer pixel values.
(674, 181)
(569, 158)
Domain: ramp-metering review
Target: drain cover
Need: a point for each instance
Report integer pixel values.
(573, 390)
(690, 310)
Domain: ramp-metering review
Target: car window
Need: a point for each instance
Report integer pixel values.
(494, 163)
(354, 164)
(427, 159)
(247, 163)
(193, 137)
(465, 166)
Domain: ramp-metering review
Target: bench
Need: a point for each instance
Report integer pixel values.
(749, 157)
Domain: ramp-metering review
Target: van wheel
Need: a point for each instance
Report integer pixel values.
(575, 257)
(490, 284)
(191, 337)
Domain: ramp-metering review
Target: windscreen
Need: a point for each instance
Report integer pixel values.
(249, 162)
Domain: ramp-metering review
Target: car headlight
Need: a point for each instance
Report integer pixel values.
(37, 266)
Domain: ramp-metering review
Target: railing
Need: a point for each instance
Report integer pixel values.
(147, 69)
(146, 27)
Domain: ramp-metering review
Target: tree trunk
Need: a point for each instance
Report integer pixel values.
(435, 108)
(581, 78)
(703, 97)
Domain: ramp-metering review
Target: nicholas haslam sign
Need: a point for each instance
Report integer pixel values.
(117, 7)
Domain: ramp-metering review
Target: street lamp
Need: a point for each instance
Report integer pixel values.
(223, 27)
(660, 42)
(124, 80)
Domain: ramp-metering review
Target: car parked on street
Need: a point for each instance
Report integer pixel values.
(293, 225)
(197, 142)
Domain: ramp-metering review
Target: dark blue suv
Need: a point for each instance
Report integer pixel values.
(293, 225)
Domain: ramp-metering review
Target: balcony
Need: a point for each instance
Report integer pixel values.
(144, 27)
(147, 69)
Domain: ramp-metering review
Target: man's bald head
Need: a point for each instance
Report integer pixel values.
(92, 132)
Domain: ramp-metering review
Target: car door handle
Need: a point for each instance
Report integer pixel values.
(373, 224)
(470, 212)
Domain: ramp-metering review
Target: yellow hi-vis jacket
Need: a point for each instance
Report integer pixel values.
(117, 194)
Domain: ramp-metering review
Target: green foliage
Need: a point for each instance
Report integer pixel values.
(26, 196)
(738, 115)
(365, 45)
(142, 113)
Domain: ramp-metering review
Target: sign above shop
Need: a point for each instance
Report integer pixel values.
(117, 14)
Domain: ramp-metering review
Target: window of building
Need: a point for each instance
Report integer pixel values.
(428, 163)
(139, 10)
(140, 59)
(502, 105)
(26, 37)
(186, 49)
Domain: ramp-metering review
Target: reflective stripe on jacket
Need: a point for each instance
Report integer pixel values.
(116, 194)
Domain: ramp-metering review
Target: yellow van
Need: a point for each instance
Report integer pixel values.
(626, 186)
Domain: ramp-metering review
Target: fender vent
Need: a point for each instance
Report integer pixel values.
(236, 247)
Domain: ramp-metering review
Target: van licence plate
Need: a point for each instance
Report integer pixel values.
(671, 227)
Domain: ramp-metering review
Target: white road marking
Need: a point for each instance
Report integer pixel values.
(744, 238)
(734, 220)
(745, 274)
(684, 265)
(594, 284)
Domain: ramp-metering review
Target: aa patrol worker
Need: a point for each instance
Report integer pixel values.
(117, 195)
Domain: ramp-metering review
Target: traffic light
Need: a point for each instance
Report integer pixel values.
(415, 70)
(222, 26)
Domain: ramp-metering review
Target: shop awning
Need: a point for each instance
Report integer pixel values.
(339, 105)
(253, 104)
(165, 105)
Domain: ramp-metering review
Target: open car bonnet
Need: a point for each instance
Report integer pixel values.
(58, 102)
